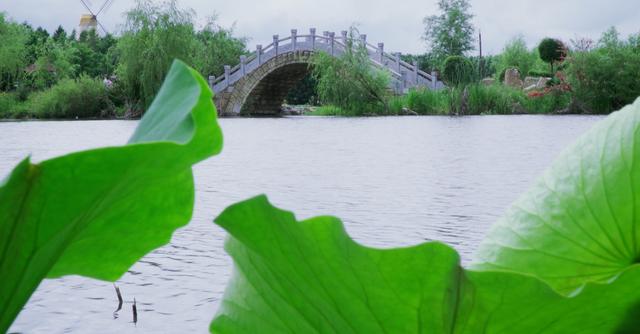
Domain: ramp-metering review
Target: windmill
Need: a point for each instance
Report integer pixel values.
(90, 21)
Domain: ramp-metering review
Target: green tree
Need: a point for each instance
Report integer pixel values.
(606, 78)
(217, 47)
(59, 35)
(450, 33)
(552, 51)
(13, 38)
(350, 82)
(153, 36)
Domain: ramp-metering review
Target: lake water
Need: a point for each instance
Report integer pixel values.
(395, 181)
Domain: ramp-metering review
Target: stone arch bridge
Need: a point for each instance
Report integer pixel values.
(259, 84)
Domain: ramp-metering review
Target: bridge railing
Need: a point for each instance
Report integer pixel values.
(406, 75)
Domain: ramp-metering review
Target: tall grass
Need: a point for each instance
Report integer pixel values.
(481, 100)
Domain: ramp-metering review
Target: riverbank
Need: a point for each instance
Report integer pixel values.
(478, 99)
(88, 99)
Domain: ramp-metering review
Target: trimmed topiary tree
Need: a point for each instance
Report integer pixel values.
(457, 70)
(552, 51)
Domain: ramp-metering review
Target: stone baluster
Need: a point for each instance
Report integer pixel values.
(415, 72)
(243, 65)
(227, 72)
(332, 39)
(312, 32)
(294, 38)
(434, 79)
(363, 40)
(275, 43)
(345, 36)
(397, 57)
(212, 79)
(259, 54)
(381, 53)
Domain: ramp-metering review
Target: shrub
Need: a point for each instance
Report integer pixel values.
(552, 51)
(537, 73)
(547, 103)
(516, 54)
(606, 78)
(7, 104)
(81, 98)
(457, 70)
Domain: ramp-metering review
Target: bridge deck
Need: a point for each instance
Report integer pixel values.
(404, 75)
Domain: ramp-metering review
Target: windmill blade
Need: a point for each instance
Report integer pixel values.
(104, 7)
(102, 27)
(87, 7)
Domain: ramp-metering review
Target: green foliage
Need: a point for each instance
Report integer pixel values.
(53, 63)
(551, 102)
(73, 98)
(13, 38)
(95, 213)
(457, 70)
(217, 47)
(8, 103)
(153, 36)
(494, 99)
(516, 55)
(552, 51)
(606, 78)
(481, 100)
(538, 73)
(305, 92)
(428, 102)
(450, 33)
(328, 111)
(575, 230)
(350, 82)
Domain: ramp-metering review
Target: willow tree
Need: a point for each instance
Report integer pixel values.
(154, 35)
(349, 81)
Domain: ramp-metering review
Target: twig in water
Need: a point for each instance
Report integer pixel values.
(115, 313)
(135, 311)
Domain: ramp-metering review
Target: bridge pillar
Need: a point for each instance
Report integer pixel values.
(381, 52)
(294, 38)
(227, 70)
(312, 32)
(275, 43)
(259, 54)
(243, 63)
(332, 38)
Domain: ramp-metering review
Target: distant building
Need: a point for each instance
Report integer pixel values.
(87, 21)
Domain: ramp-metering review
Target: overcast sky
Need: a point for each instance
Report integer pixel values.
(396, 23)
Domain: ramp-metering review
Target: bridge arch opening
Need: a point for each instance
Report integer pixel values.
(268, 95)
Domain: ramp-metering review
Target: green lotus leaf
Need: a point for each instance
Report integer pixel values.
(95, 213)
(310, 277)
(580, 223)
